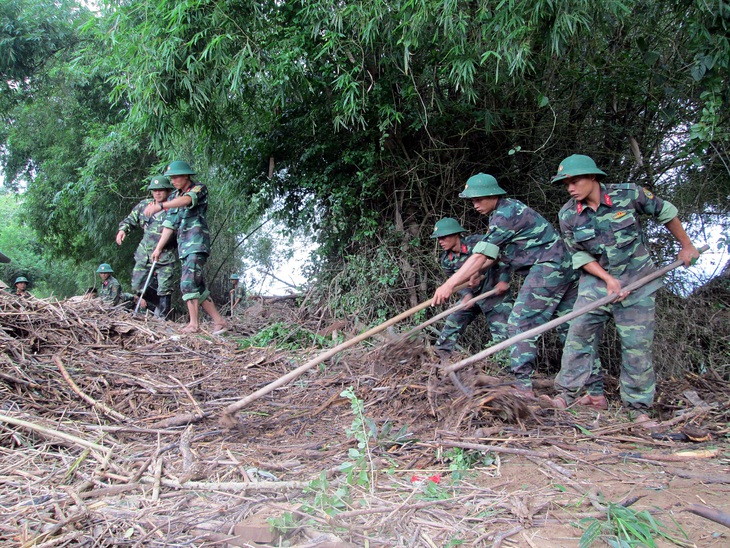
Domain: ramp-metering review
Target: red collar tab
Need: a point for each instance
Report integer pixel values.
(579, 207)
(607, 199)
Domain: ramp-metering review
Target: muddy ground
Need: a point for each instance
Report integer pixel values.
(110, 434)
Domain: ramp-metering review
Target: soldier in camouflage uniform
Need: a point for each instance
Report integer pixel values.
(21, 287)
(601, 228)
(111, 290)
(152, 227)
(186, 218)
(457, 249)
(237, 292)
(523, 240)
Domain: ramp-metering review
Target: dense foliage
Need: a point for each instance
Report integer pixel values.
(361, 121)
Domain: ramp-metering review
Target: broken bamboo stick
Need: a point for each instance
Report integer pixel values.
(53, 433)
(713, 514)
(108, 411)
(563, 319)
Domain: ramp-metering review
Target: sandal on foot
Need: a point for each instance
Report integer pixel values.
(189, 329)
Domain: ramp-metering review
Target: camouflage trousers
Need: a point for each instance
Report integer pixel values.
(580, 367)
(535, 305)
(496, 314)
(192, 284)
(163, 273)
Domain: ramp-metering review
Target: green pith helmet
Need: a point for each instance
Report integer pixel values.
(234, 277)
(482, 185)
(577, 164)
(160, 182)
(105, 268)
(446, 227)
(20, 279)
(179, 167)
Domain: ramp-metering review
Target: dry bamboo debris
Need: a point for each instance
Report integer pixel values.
(174, 380)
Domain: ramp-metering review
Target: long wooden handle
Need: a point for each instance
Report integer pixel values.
(563, 319)
(294, 373)
(455, 308)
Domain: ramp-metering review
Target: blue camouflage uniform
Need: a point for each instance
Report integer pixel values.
(528, 245)
(613, 236)
(496, 308)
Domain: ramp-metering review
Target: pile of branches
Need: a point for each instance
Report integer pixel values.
(109, 435)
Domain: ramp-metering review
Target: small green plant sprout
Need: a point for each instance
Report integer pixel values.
(461, 461)
(386, 438)
(324, 501)
(430, 487)
(362, 470)
(626, 528)
(283, 524)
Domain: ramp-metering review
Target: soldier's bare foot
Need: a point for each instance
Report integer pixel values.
(190, 329)
(596, 402)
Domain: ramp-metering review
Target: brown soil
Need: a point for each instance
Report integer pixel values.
(145, 461)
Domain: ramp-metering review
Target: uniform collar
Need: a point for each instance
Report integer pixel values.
(464, 249)
(605, 200)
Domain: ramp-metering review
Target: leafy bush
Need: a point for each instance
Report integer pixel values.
(285, 337)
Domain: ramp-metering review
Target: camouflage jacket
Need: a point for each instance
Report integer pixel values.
(238, 292)
(612, 235)
(189, 223)
(452, 261)
(14, 292)
(525, 241)
(111, 291)
(152, 227)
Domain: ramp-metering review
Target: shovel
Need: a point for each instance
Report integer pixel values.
(144, 289)
(227, 415)
(563, 319)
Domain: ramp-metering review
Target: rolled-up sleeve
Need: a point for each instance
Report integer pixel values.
(488, 249)
(581, 258)
(669, 211)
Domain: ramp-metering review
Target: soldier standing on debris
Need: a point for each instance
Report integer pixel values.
(522, 239)
(237, 292)
(602, 231)
(111, 290)
(152, 226)
(186, 218)
(21, 287)
(457, 249)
